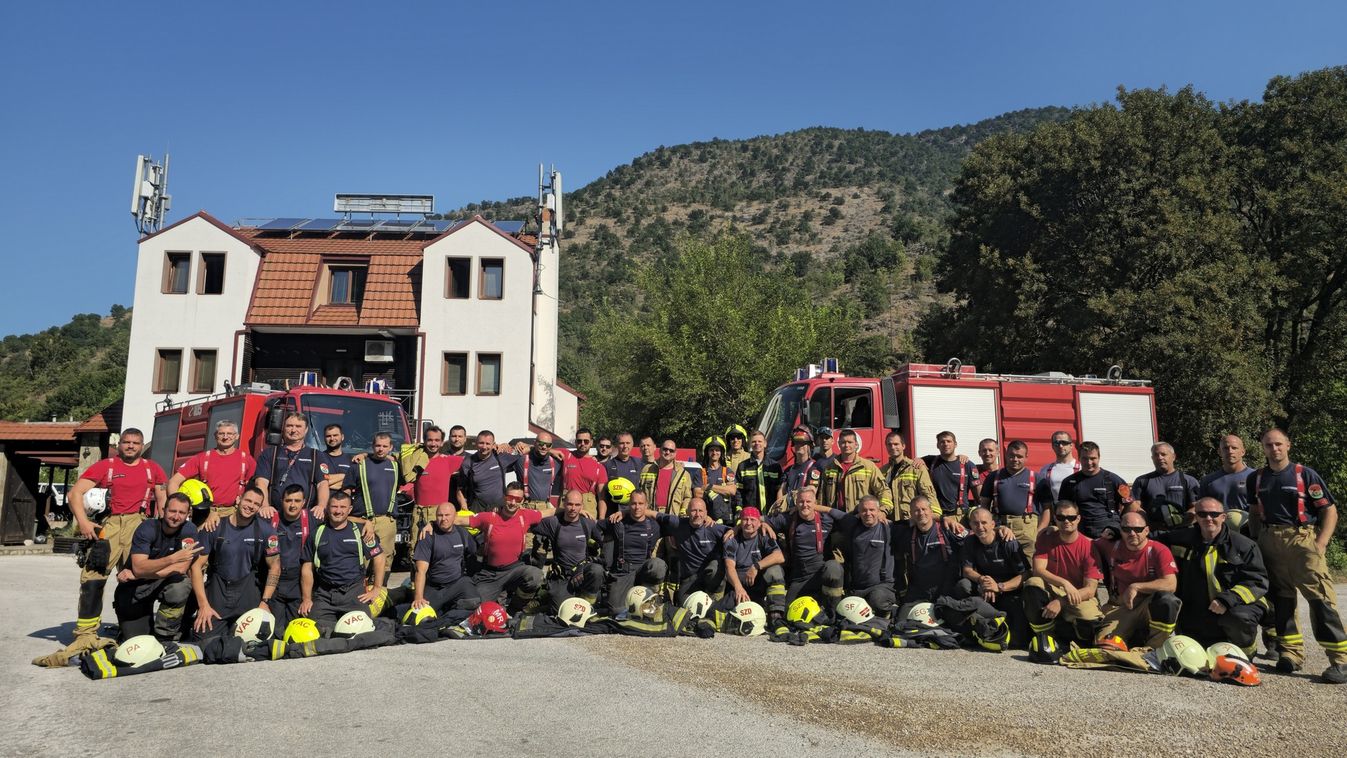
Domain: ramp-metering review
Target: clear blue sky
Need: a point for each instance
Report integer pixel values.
(270, 108)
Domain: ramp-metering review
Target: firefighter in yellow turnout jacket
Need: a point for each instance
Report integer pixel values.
(905, 479)
(849, 477)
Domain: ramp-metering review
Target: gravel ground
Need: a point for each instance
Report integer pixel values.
(651, 697)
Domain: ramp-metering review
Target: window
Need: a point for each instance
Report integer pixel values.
(167, 370)
(210, 280)
(852, 408)
(177, 268)
(457, 277)
(203, 371)
(455, 379)
(346, 285)
(488, 373)
(492, 285)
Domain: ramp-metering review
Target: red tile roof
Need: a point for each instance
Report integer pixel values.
(289, 278)
(107, 420)
(41, 431)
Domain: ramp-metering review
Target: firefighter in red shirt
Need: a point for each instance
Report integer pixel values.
(431, 474)
(226, 470)
(583, 472)
(135, 488)
(1142, 578)
(503, 568)
(1064, 579)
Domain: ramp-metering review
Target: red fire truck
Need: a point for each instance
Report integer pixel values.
(921, 400)
(183, 430)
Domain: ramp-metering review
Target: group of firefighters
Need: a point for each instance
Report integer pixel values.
(1004, 555)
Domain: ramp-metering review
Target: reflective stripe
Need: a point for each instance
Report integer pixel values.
(105, 666)
(364, 491)
(1209, 566)
(1243, 592)
(318, 540)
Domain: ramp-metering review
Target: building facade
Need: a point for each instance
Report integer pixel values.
(458, 320)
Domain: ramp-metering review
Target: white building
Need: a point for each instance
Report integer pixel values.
(459, 318)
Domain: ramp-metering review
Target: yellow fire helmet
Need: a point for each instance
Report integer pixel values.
(301, 630)
(415, 616)
(197, 491)
(619, 490)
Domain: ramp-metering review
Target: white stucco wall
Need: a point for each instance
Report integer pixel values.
(188, 321)
(476, 326)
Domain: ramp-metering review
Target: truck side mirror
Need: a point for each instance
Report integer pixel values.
(275, 423)
(804, 415)
(425, 426)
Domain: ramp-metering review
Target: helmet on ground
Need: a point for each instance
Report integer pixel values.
(575, 612)
(1115, 642)
(855, 609)
(256, 625)
(803, 609)
(489, 617)
(923, 613)
(1230, 669)
(713, 441)
(197, 491)
(1181, 653)
(139, 650)
(642, 602)
(992, 633)
(415, 616)
(735, 430)
(619, 490)
(353, 623)
(301, 630)
(1043, 648)
(95, 501)
(1218, 649)
(698, 604)
(748, 619)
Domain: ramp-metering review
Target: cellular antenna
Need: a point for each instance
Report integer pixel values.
(150, 200)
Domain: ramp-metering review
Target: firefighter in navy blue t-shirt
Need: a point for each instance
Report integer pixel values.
(234, 552)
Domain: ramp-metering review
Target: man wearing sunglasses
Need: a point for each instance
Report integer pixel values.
(665, 480)
(1065, 577)
(1053, 474)
(1298, 515)
(1222, 581)
(542, 474)
(584, 473)
(503, 569)
(1141, 577)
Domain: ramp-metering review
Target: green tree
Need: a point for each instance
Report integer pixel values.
(1109, 239)
(715, 334)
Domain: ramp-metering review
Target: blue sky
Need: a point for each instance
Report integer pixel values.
(268, 109)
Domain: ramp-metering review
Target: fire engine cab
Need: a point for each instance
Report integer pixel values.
(921, 400)
(183, 430)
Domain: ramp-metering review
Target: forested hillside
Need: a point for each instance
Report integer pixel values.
(69, 371)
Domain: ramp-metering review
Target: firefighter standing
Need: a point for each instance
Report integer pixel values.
(735, 437)
(758, 480)
(292, 463)
(1165, 494)
(849, 477)
(226, 470)
(666, 482)
(954, 477)
(904, 478)
(135, 487)
(431, 469)
(1296, 517)
(1010, 494)
(375, 480)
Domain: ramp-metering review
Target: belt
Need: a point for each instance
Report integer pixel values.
(340, 587)
(1289, 527)
(1020, 516)
(506, 567)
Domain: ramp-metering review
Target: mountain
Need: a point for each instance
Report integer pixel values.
(65, 372)
(857, 214)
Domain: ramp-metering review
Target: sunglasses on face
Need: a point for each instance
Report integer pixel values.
(1067, 518)
(1134, 529)
(583, 441)
(668, 450)
(1209, 514)
(604, 446)
(1061, 442)
(544, 445)
(513, 499)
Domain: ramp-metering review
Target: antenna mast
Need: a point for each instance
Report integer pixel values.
(150, 200)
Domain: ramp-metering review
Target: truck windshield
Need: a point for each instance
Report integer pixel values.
(360, 418)
(779, 418)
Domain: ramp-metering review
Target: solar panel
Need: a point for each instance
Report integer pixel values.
(509, 227)
(279, 223)
(319, 225)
